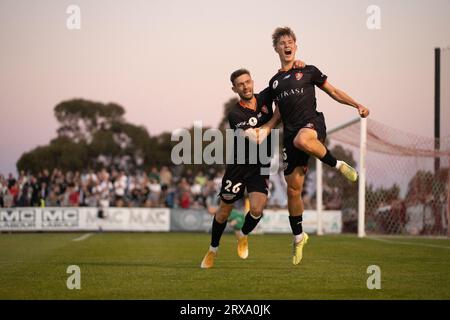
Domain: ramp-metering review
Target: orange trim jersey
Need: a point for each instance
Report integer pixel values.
(242, 117)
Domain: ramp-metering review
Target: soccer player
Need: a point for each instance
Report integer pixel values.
(252, 111)
(254, 117)
(304, 128)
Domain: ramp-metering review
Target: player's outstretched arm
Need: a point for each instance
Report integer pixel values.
(342, 97)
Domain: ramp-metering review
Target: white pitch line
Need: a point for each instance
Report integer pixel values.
(409, 243)
(83, 237)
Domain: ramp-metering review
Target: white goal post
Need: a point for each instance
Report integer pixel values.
(361, 180)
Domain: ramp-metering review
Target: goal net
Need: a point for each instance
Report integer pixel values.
(406, 181)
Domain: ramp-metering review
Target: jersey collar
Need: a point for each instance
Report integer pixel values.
(247, 106)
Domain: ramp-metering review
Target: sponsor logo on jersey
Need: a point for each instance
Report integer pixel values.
(275, 84)
(259, 115)
(240, 124)
(264, 109)
(287, 77)
(253, 121)
(298, 75)
(288, 93)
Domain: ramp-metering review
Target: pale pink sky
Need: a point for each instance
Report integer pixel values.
(168, 62)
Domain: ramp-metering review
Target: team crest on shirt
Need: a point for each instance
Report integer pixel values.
(275, 84)
(298, 75)
(264, 109)
(252, 121)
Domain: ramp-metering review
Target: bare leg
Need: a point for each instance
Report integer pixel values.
(294, 191)
(307, 141)
(223, 212)
(258, 201)
(295, 205)
(218, 226)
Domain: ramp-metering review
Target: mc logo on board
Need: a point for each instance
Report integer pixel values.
(57, 217)
(18, 218)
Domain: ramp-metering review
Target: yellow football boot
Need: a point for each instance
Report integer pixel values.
(242, 247)
(348, 172)
(208, 260)
(298, 249)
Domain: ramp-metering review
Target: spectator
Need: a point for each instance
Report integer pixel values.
(120, 187)
(3, 190)
(189, 176)
(53, 200)
(102, 188)
(185, 200)
(8, 199)
(165, 176)
(23, 197)
(74, 196)
(14, 190)
(155, 192)
(11, 180)
(154, 174)
(35, 191)
(200, 179)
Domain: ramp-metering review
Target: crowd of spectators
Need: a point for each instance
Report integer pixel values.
(159, 187)
(174, 187)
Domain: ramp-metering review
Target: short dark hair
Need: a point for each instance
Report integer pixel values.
(282, 31)
(238, 73)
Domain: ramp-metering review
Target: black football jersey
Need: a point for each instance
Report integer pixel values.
(295, 94)
(244, 118)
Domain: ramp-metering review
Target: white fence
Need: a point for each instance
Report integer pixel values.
(84, 219)
(148, 219)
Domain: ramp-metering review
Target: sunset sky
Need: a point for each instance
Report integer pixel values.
(168, 62)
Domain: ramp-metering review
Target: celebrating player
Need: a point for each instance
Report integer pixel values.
(304, 128)
(252, 111)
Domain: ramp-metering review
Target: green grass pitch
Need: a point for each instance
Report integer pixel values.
(166, 266)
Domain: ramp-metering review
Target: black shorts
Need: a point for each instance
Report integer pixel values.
(293, 157)
(238, 177)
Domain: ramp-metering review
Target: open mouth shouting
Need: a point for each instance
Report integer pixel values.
(288, 53)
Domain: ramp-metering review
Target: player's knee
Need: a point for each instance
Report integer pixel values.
(294, 192)
(220, 218)
(297, 143)
(303, 143)
(256, 211)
